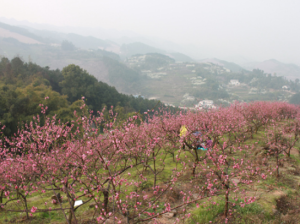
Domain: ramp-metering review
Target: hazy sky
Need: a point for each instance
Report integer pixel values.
(254, 29)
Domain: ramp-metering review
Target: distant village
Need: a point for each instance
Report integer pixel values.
(156, 73)
(190, 70)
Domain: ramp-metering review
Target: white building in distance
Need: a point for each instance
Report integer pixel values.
(205, 104)
(190, 65)
(285, 87)
(234, 82)
(253, 91)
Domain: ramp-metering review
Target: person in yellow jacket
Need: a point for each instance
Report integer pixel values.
(183, 131)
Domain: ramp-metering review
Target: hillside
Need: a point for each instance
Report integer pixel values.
(22, 35)
(159, 77)
(230, 65)
(141, 69)
(231, 165)
(82, 42)
(138, 48)
(33, 36)
(185, 84)
(113, 71)
(180, 57)
(87, 52)
(21, 38)
(272, 66)
(24, 86)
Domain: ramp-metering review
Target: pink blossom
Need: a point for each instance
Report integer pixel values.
(33, 209)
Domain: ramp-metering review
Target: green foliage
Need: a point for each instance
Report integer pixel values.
(19, 104)
(24, 86)
(296, 159)
(206, 214)
(76, 82)
(146, 185)
(211, 212)
(253, 208)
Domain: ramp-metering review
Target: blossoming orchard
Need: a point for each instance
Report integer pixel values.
(145, 169)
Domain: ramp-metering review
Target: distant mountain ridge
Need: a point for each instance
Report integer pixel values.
(83, 42)
(139, 48)
(272, 66)
(47, 38)
(20, 34)
(128, 50)
(30, 35)
(230, 65)
(180, 57)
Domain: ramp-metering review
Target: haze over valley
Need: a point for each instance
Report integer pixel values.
(149, 67)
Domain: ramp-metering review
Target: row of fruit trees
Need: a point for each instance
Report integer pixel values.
(127, 171)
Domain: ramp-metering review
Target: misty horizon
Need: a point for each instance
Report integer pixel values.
(232, 30)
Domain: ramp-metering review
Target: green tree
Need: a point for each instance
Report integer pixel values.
(76, 82)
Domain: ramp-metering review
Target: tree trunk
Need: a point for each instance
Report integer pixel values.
(71, 200)
(196, 162)
(289, 152)
(226, 203)
(127, 217)
(194, 169)
(1, 196)
(277, 162)
(26, 207)
(106, 194)
(154, 168)
(72, 212)
(70, 216)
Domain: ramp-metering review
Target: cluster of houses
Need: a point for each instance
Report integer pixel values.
(135, 61)
(205, 104)
(234, 82)
(197, 81)
(202, 105)
(187, 97)
(257, 91)
(188, 70)
(182, 66)
(153, 75)
(138, 60)
(215, 68)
